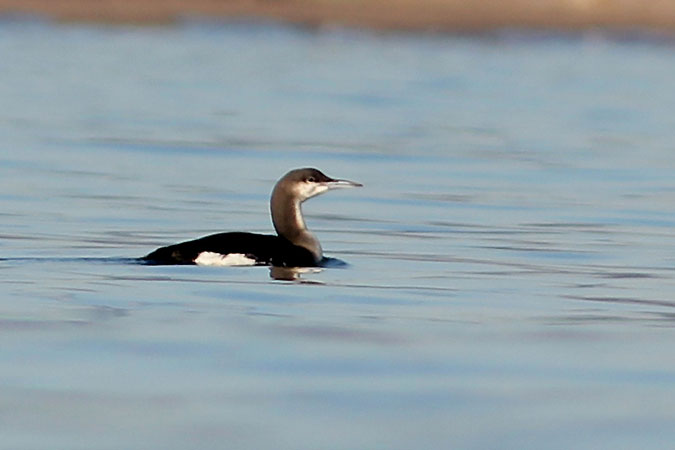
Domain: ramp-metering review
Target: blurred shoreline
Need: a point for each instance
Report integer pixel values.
(429, 15)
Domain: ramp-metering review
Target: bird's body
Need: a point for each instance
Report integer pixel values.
(295, 245)
(217, 250)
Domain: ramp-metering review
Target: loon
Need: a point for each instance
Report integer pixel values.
(294, 245)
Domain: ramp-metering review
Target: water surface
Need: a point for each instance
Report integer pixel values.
(511, 258)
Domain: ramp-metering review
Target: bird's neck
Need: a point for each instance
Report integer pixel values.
(290, 224)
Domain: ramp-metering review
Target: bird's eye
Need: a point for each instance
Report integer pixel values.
(311, 180)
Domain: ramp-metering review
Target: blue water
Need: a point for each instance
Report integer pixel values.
(511, 258)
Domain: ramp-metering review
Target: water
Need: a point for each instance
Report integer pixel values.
(511, 277)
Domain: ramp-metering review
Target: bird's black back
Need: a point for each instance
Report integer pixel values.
(264, 249)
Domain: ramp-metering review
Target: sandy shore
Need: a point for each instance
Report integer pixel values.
(441, 15)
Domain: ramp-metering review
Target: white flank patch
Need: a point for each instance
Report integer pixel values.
(218, 259)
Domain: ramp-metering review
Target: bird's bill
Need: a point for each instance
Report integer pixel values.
(335, 184)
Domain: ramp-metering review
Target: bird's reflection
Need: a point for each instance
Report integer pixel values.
(293, 274)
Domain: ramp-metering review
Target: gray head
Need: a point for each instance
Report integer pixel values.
(301, 184)
(290, 191)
